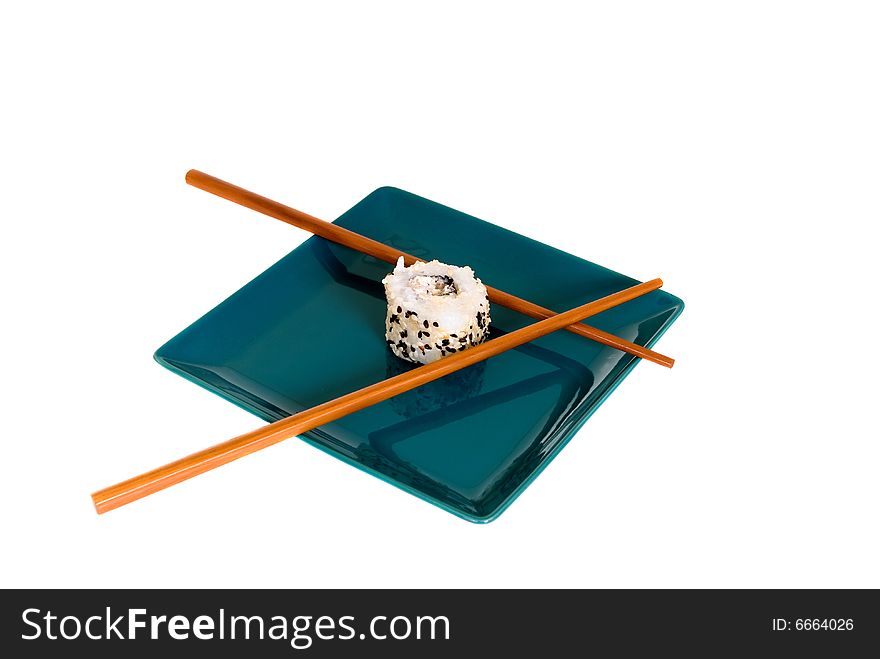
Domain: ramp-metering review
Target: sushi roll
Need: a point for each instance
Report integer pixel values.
(434, 310)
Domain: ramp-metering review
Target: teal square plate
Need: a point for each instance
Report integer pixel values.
(311, 328)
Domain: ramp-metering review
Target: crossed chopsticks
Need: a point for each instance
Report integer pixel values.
(202, 461)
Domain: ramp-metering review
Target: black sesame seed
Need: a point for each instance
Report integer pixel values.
(454, 336)
(426, 324)
(399, 309)
(436, 324)
(450, 348)
(426, 334)
(445, 342)
(402, 334)
(427, 346)
(394, 318)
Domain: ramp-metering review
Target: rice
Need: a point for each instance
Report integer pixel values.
(434, 310)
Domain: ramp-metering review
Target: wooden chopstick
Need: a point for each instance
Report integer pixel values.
(198, 463)
(384, 252)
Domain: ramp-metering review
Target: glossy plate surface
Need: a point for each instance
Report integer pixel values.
(311, 328)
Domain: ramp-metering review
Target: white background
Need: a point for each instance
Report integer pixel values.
(731, 148)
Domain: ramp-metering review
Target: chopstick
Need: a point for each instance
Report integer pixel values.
(384, 252)
(210, 458)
